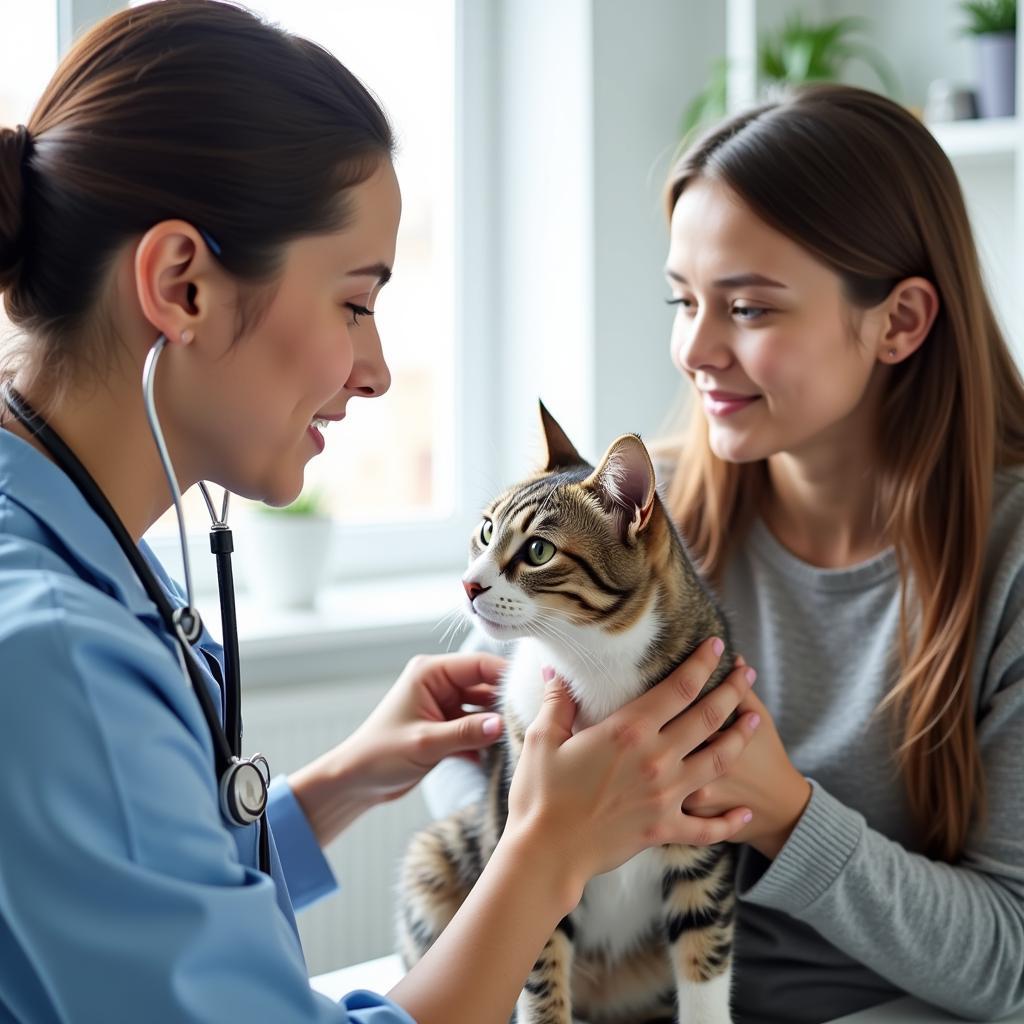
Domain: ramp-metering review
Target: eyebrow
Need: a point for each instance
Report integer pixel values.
(736, 281)
(379, 270)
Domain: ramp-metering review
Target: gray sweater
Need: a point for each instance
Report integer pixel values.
(849, 914)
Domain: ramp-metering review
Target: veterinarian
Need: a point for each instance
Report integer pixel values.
(852, 481)
(195, 226)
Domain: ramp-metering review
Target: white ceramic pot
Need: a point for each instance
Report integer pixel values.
(286, 557)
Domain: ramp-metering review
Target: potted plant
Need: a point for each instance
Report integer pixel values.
(993, 23)
(801, 51)
(288, 551)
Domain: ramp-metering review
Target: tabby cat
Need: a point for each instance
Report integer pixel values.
(586, 568)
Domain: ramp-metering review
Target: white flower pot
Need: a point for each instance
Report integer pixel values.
(286, 557)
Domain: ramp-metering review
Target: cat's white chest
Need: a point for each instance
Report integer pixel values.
(602, 671)
(619, 907)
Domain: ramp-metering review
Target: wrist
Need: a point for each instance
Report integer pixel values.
(555, 870)
(329, 792)
(791, 805)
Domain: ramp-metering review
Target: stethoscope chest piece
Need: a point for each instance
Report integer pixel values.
(243, 789)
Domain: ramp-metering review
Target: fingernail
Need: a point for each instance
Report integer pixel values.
(751, 676)
(748, 817)
(717, 647)
(755, 720)
(548, 673)
(492, 725)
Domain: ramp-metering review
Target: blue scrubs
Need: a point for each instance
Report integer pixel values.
(124, 895)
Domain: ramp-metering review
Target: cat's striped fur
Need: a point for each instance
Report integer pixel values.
(614, 611)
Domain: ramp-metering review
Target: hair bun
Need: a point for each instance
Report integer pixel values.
(15, 148)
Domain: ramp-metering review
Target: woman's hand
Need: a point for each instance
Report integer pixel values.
(762, 778)
(419, 721)
(592, 800)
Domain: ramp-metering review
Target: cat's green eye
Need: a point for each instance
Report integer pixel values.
(539, 551)
(486, 531)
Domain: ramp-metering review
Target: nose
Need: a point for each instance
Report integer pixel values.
(473, 589)
(370, 376)
(697, 345)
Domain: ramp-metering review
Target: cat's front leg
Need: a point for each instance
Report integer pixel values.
(700, 906)
(547, 995)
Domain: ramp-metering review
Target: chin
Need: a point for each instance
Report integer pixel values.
(277, 492)
(496, 631)
(740, 449)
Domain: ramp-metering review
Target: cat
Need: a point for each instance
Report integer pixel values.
(584, 568)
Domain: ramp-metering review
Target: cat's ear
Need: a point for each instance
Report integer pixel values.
(624, 482)
(561, 454)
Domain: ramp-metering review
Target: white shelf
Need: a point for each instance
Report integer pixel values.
(994, 136)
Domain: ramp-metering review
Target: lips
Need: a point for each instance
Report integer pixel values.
(726, 403)
(318, 438)
(321, 419)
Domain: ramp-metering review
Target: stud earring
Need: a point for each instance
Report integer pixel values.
(187, 335)
(891, 353)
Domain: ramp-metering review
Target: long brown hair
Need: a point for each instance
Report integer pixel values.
(865, 188)
(191, 109)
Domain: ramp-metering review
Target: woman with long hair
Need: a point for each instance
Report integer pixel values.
(852, 480)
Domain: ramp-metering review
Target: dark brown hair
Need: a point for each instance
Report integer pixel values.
(864, 187)
(191, 109)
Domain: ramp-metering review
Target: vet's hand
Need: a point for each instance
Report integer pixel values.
(594, 799)
(762, 778)
(419, 722)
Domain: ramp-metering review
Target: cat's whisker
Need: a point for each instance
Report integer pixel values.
(578, 646)
(448, 615)
(455, 619)
(543, 621)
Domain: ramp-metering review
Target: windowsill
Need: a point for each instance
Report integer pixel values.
(356, 629)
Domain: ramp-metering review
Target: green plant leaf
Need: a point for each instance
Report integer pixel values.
(988, 16)
(803, 51)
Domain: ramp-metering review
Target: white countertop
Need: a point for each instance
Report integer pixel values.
(380, 975)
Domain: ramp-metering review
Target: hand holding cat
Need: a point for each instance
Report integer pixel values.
(594, 799)
(419, 721)
(762, 778)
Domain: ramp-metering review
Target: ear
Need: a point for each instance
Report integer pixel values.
(173, 278)
(909, 313)
(624, 483)
(561, 453)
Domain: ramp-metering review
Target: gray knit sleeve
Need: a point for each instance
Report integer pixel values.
(457, 781)
(950, 935)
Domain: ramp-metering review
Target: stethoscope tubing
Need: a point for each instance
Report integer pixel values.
(240, 804)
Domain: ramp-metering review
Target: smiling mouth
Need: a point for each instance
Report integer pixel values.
(719, 406)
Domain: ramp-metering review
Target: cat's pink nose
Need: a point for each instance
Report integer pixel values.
(473, 588)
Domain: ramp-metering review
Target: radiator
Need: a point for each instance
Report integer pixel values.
(292, 726)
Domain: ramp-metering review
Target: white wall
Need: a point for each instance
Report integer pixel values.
(591, 97)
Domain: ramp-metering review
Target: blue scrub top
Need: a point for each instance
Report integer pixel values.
(124, 895)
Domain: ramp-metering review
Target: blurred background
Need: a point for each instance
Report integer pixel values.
(534, 140)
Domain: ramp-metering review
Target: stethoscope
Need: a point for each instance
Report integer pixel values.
(243, 782)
